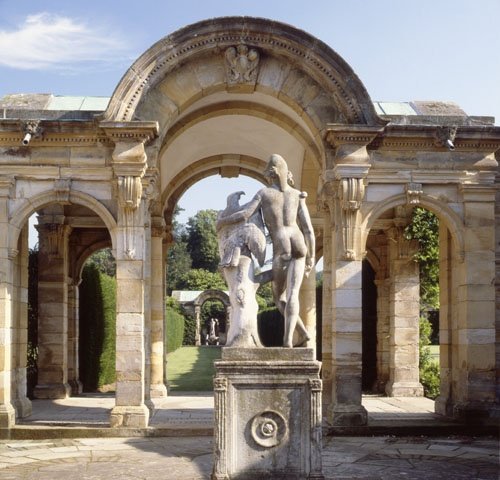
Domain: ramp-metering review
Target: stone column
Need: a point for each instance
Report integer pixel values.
(52, 308)
(197, 333)
(404, 311)
(158, 388)
(475, 336)
(7, 412)
(307, 302)
(132, 259)
(73, 337)
(21, 402)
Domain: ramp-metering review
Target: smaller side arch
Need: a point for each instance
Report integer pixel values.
(442, 210)
(212, 294)
(20, 215)
(82, 258)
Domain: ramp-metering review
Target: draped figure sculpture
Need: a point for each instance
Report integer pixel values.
(283, 210)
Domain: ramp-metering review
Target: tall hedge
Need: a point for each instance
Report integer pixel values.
(271, 327)
(175, 325)
(97, 329)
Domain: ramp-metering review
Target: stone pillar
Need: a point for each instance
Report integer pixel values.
(132, 269)
(21, 402)
(307, 302)
(197, 333)
(383, 334)
(158, 388)
(475, 336)
(52, 308)
(7, 412)
(404, 311)
(347, 297)
(73, 337)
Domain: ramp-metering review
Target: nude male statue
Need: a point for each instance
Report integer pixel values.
(286, 217)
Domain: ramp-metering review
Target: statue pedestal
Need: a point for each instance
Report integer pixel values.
(267, 414)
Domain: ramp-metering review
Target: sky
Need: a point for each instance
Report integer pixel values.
(402, 50)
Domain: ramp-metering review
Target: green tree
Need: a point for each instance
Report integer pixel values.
(200, 279)
(104, 261)
(424, 227)
(178, 257)
(202, 240)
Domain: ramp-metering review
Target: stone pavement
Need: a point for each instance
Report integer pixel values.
(384, 458)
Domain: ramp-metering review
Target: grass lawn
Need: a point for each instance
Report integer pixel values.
(191, 369)
(434, 352)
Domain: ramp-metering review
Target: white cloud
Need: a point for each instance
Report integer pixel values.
(47, 41)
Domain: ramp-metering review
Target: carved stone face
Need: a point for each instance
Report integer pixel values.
(276, 171)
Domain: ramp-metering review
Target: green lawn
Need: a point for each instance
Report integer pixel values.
(434, 352)
(191, 369)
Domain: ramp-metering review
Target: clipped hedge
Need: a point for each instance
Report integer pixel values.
(271, 327)
(174, 325)
(97, 329)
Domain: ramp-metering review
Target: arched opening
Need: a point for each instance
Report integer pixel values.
(51, 248)
(404, 288)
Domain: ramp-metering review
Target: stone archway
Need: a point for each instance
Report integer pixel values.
(218, 97)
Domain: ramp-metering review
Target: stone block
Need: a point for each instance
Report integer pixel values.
(129, 416)
(272, 75)
(129, 297)
(348, 275)
(267, 415)
(476, 336)
(129, 324)
(346, 298)
(129, 393)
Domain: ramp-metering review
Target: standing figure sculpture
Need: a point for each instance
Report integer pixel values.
(285, 214)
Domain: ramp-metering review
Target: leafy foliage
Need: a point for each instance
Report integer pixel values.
(424, 227)
(103, 261)
(178, 265)
(429, 370)
(201, 279)
(202, 240)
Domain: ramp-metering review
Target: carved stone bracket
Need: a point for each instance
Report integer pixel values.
(62, 188)
(413, 193)
(445, 136)
(129, 167)
(242, 64)
(158, 227)
(350, 192)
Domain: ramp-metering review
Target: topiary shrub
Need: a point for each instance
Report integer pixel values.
(174, 325)
(97, 329)
(271, 327)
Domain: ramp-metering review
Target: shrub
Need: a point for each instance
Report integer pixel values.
(429, 370)
(271, 327)
(97, 328)
(175, 325)
(189, 330)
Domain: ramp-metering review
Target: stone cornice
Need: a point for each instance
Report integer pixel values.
(54, 133)
(481, 138)
(362, 135)
(130, 131)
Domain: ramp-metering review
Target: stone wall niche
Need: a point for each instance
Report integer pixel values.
(267, 414)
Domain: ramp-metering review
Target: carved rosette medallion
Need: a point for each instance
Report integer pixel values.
(241, 64)
(268, 429)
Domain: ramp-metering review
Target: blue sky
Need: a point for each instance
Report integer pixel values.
(402, 50)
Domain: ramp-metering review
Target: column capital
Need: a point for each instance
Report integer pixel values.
(7, 186)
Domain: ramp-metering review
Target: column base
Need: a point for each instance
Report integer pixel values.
(404, 389)
(158, 390)
(76, 387)
(52, 391)
(342, 415)
(129, 416)
(7, 416)
(443, 406)
(475, 412)
(23, 407)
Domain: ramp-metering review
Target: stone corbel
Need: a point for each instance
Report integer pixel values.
(158, 227)
(62, 188)
(406, 247)
(350, 193)
(129, 166)
(413, 193)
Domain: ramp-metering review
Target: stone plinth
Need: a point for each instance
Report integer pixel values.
(267, 414)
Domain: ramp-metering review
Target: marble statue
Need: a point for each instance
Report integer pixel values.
(283, 210)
